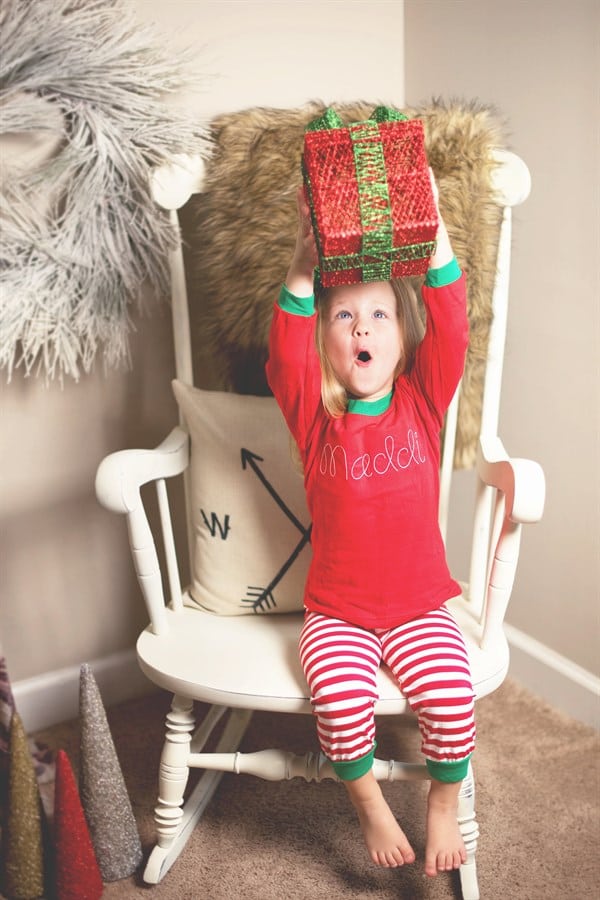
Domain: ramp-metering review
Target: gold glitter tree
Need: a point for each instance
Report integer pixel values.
(23, 845)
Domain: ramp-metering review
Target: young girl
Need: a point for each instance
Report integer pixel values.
(364, 394)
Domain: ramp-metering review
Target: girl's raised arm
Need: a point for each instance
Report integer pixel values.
(299, 279)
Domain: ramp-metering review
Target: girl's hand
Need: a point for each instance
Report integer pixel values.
(299, 279)
(443, 253)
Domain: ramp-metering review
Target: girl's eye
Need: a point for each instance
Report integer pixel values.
(379, 314)
(342, 314)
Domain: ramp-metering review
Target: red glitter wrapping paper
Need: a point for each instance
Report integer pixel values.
(370, 196)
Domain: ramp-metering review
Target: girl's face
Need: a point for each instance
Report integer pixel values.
(362, 339)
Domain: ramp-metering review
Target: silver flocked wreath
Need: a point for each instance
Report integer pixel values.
(72, 266)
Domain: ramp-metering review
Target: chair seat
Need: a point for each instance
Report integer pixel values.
(251, 662)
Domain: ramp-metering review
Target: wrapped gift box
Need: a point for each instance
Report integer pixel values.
(370, 195)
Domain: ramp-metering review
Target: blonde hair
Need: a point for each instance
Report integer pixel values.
(412, 329)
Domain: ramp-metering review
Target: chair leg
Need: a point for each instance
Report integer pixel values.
(470, 833)
(174, 769)
(174, 822)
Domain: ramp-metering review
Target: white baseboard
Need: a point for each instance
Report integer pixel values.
(553, 677)
(45, 700)
(48, 699)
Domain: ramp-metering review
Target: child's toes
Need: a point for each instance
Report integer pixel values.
(445, 862)
(431, 865)
(460, 857)
(449, 861)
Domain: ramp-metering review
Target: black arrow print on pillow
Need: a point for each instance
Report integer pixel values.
(262, 598)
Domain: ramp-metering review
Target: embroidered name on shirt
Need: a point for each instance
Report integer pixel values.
(390, 459)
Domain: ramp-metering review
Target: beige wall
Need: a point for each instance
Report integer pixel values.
(538, 62)
(68, 590)
(68, 593)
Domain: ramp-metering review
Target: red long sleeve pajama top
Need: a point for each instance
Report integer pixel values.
(372, 476)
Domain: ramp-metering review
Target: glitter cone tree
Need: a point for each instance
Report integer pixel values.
(78, 876)
(102, 788)
(23, 874)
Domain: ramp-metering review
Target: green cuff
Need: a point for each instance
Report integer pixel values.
(444, 275)
(351, 769)
(298, 306)
(449, 772)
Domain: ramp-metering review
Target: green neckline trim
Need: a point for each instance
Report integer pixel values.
(370, 407)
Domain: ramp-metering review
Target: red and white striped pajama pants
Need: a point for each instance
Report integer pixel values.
(427, 657)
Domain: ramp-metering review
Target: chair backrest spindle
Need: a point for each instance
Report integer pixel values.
(147, 567)
(169, 545)
(172, 185)
(180, 311)
(490, 410)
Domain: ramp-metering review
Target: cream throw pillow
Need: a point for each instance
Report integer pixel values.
(249, 515)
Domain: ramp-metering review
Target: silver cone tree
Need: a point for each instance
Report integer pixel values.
(102, 788)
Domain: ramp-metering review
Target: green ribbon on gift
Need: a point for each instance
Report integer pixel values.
(373, 191)
(374, 200)
(408, 253)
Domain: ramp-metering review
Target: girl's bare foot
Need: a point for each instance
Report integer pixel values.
(386, 842)
(445, 847)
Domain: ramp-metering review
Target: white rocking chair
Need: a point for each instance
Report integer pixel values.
(182, 649)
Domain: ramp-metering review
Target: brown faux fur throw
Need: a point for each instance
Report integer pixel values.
(240, 233)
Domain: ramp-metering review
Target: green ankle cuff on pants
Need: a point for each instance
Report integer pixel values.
(448, 772)
(351, 769)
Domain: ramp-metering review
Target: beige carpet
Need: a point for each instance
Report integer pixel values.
(538, 780)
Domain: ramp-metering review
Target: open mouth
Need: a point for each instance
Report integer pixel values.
(364, 356)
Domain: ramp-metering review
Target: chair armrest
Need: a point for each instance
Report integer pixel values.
(521, 481)
(522, 486)
(121, 475)
(118, 482)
